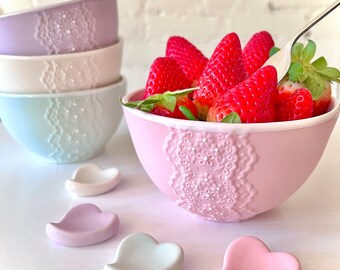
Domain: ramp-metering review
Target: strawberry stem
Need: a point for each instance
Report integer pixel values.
(313, 75)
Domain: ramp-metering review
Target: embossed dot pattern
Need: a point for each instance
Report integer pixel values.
(59, 31)
(210, 172)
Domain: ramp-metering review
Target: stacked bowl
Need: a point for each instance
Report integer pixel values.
(60, 78)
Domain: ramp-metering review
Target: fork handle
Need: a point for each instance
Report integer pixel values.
(316, 20)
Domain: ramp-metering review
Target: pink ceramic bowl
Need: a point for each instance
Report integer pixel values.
(73, 26)
(228, 172)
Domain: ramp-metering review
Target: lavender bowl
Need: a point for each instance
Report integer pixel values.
(73, 26)
(228, 172)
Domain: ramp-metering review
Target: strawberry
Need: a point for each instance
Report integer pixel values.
(165, 75)
(256, 51)
(224, 70)
(294, 105)
(184, 109)
(175, 104)
(253, 100)
(315, 76)
(320, 106)
(191, 60)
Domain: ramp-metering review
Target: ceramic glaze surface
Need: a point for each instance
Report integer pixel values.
(69, 27)
(90, 180)
(62, 76)
(66, 127)
(247, 253)
(67, 31)
(75, 125)
(83, 225)
(62, 73)
(20, 5)
(141, 251)
(210, 173)
(228, 172)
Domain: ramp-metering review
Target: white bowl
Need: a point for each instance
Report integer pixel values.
(66, 127)
(19, 5)
(61, 73)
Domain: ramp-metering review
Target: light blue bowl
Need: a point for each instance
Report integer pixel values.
(66, 127)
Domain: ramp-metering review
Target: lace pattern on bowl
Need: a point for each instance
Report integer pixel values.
(65, 76)
(76, 128)
(210, 173)
(67, 31)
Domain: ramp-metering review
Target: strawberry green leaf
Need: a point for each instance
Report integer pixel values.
(315, 84)
(301, 77)
(183, 92)
(232, 117)
(309, 51)
(168, 102)
(320, 62)
(313, 75)
(146, 107)
(329, 73)
(132, 104)
(139, 103)
(294, 71)
(297, 51)
(188, 114)
(273, 51)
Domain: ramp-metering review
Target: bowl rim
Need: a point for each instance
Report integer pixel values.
(243, 128)
(67, 56)
(44, 7)
(121, 83)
